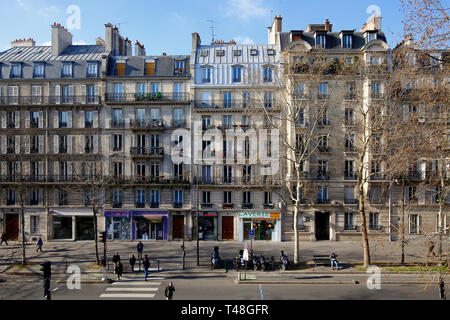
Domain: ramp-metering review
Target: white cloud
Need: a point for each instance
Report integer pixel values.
(23, 5)
(47, 44)
(80, 43)
(45, 12)
(244, 9)
(243, 40)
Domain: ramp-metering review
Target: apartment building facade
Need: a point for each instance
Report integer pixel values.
(233, 87)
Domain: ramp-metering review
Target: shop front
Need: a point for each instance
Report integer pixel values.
(265, 226)
(72, 224)
(118, 224)
(207, 226)
(150, 225)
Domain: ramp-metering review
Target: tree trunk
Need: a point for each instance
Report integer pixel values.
(365, 237)
(403, 240)
(296, 238)
(22, 226)
(442, 200)
(96, 235)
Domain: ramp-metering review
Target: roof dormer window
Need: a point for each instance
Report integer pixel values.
(67, 70)
(179, 67)
(347, 41)
(253, 52)
(204, 53)
(120, 67)
(270, 52)
(16, 70)
(370, 36)
(220, 53)
(321, 41)
(38, 70)
(237, 53)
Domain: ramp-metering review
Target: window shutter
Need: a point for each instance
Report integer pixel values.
(3, 119)
(56, 168)
(406, 195)
(41, 144)
(95, 144)
(27, 144)
(150, 69)
(4, 143)
(71, 93)
(70, 168)
(83, 94)
(82, 119)
(82, 144)
(27, 119)
(17, 144)
(58, 94)
(17, 119)
(70, 120)
(55, 119)
(56, 144)
(423, 170)
(69, 144)
(41, 168)
(95, 125)
(421, 196)
(109, 146)
(120, 69)
(41, 119)
(97, 94)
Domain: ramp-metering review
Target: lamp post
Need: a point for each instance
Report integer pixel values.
(198, 242)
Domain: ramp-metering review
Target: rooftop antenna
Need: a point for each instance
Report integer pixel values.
(120, 23)
(213, 35)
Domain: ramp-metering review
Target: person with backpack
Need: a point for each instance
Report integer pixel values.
(146, 266)
(169, 291)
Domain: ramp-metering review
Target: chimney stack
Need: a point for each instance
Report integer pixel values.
(328, 26)
(23, 43)
(139, 49)
(372, 24)
(61, 39)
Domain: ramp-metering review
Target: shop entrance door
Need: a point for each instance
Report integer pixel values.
(227, 228)
(178, 227)
(12, 226)
(322, 221)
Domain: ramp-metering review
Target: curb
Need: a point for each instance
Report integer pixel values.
(347, 282)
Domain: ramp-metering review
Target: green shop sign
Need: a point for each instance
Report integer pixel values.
(254, 215)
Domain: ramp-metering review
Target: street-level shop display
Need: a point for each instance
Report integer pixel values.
(265, 226)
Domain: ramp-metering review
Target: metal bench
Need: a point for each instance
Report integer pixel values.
(321, 260)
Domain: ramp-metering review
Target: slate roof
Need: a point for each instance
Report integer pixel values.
(44, 53)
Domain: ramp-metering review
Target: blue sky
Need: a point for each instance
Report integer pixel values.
(166, 26)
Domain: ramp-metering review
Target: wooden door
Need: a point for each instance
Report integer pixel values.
(227, 228)
(12, 226)
(178, 227)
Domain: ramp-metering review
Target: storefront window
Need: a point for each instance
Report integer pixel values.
(84, 227)
(263, 229)
(62, 228)
(119, 228)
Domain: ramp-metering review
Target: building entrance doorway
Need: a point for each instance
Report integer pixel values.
(322, 222)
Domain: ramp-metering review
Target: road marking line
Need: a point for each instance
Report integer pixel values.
(261, 292)
(132, 289)
(137, 283)
(127, 295)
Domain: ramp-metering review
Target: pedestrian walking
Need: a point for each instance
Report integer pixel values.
(442, 291)
(169, 291)
(140, 250)
(4, 239)
(132, 262)
(119, 269)
(334, 261)
(115, 259)
(39, 244)
(146, 266)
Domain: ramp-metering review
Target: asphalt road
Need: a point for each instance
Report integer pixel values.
(214, 287)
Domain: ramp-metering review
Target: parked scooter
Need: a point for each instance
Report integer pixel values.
(215, 259)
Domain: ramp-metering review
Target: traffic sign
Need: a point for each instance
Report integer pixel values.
(252, 233)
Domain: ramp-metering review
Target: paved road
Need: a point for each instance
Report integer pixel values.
(212, 287)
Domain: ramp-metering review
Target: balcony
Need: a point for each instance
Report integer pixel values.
(350, 149)
(155, 124)
(350, 175)
(117, 124)
(154, 205)
(10, 202)
(269, 206)
(377, 177)
(206, 205)
(349, 227)
(178, 123)
(377, 96)
(50, 100)
(15, 178)
(178, 205)
(34, 202)
(323, 175)
(415, 175)
(323, 96)
(323, 201)
(117, 204)
(323, 149)
(221, 105)
(227, 206)
(247, 206)
(350, 201)
(149, 180)
(137, 152)
(236, 181)
(140, 205)
(146, 98)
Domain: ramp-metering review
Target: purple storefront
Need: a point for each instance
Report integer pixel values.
(150, 225)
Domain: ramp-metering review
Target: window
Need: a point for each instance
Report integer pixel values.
(34, 123)
(156, 88)
(206, 198)
(67, 70)
(117, 142)
(349, 195)
(178, 199)
(89, 119)
(11, 119)
(270, 52)
(62, 144)
(63, 119)
(376, 90)
(375, 60)
(62, 197)
(11, 143)
(371, 36)
(91, 94)
(89, 145)
(178, 170)
(38, 70)
(374, 221)
(350, 90)
(414, 223)
(227, 99)
(92, 69)
(67, 94)
(206, 75)
(120, 68)
(16, 70)
(349, 117)
(323, 91)
(178, 91)
(412, 194)
(227, 122)
(349, 167)
(117, 118)
(268, 198)
(246, 197)
(323, 120)
(206, 174)
(179, 67)
(253, 52)
(117, 199)
(349, 221)
(117, 169)
(323, 143)
(320, 41)
(347, 41)
(220, 53)
(237, 53)
(237, 74)
(34, 198)
(204, 53)
(322, 197)
(227, 174)
(34, 225)
(118, 92)
(227, 197)
(323, 169)
(374, 195)
(149, 68)
(140, 89)
(300, 91)
(34, 144)
(246, 99)
(268, 99)
(140, 198)
(267, 74)
(154, 169)
(11, 201)
(178, 118)
(206, 122)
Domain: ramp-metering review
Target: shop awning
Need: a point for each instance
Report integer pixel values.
(71, 212)
(149, 217)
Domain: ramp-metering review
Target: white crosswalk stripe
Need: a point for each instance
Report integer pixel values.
(133, 288)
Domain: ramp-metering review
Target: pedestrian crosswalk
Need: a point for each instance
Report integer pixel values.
(134, 287)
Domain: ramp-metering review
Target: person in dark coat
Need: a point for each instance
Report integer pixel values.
(4, 239)
(334, 262)
(146, 266)
(39, 245)
(115, 259)
(140, 250)
(119, 269)
(132, 262)
(169, 291)
(442, 291)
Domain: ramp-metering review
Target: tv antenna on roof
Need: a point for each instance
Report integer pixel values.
(120, 23)
(212, 29)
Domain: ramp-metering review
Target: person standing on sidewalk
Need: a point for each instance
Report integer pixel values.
(169, 291)
(146, 266)
(115, 259)
(39, 244)
(119, 269)
(4, 239)
(140, 250)
(442, 291)
(132, 262)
